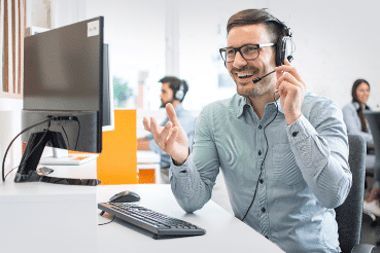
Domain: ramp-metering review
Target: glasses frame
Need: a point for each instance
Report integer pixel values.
(223, 50)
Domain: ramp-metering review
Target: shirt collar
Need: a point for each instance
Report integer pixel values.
(243, 102)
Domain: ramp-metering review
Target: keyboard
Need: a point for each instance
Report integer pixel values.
(158, 224)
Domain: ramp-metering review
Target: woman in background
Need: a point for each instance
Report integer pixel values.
(353, 114)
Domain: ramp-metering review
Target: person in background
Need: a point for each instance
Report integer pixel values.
(353, 115)
(283, 152)
(173, 90)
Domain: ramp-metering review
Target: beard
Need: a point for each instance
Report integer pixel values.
(248, 88)
(164, 103)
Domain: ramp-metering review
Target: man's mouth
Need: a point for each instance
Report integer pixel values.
(244, 75)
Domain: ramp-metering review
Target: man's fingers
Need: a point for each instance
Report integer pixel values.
(286, 76)
(171, 114)
(146, 124)
(163, 136)
(172, 137)
(288, 68)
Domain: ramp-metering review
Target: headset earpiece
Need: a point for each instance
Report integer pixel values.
(180, 93)
(284, 50)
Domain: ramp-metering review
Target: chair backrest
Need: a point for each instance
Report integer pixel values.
(374, 124)
(349, 214)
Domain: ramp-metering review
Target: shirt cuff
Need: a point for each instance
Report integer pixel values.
(300, 130)
(183, 169)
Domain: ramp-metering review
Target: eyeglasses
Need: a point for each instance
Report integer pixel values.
(248, 51)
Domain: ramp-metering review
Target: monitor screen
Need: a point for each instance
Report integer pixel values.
(63, 76)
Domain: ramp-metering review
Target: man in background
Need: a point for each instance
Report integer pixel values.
(173, 90)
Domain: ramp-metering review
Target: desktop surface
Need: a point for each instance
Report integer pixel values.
(64, 218)
(225, 233)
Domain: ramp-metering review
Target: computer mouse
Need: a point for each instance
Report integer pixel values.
(125, 196)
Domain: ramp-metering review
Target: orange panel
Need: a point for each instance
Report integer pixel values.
(117, 162)
(147, 176)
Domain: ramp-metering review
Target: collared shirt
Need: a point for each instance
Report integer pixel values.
(187, 121)
(294, 175)
(351, 118)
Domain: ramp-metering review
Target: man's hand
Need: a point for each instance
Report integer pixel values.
(171, 138)
(291, 89)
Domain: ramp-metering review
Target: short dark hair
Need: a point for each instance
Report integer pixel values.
(259, 16)
(355, 87)
(174, 84)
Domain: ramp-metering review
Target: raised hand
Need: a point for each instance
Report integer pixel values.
(291, 89)
(171, 138)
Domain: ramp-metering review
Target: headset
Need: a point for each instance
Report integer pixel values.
(285, 46)
(180, 93)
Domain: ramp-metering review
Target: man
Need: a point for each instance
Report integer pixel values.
(173, 90)
(285, 164)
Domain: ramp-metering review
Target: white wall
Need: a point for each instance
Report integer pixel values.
(336, 43)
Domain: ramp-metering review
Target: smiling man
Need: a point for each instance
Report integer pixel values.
(283, 152)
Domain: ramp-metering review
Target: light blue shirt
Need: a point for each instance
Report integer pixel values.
(187, 121)
(299, 172)
(351, 118)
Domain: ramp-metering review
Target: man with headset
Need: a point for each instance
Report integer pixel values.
(283, 152)
(173, 90)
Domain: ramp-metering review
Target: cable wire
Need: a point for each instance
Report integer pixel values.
(14, 139)
(265, 156)
(108, 222)
(31, 152)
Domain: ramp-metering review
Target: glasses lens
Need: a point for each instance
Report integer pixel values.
(250, 52)
(227, 54)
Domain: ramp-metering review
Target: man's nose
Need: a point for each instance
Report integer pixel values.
(239, 61)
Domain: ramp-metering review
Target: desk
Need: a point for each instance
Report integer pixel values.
(63, 219)
(224, 233)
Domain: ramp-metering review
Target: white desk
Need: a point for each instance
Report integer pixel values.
(224, 233)
(41, 217)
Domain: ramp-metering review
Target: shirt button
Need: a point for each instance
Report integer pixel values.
(263, 210)
(294, 134)
(260, 126)
(259, 153)
(261, 181)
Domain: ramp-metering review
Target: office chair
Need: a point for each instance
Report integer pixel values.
(349, 214)
(374, 124)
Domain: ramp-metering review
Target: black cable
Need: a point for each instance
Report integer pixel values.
(108, 222)
(31, 152)
(78, 122)
(9, 172)
(13, 140)
(265, 156)
(67, 138)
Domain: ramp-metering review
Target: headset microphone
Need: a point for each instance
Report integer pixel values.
(258, 79)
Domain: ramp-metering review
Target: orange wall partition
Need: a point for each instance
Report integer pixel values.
(117, 162)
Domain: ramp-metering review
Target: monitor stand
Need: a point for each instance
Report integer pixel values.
(27, 170)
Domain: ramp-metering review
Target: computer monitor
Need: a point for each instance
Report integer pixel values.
(63, 92)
